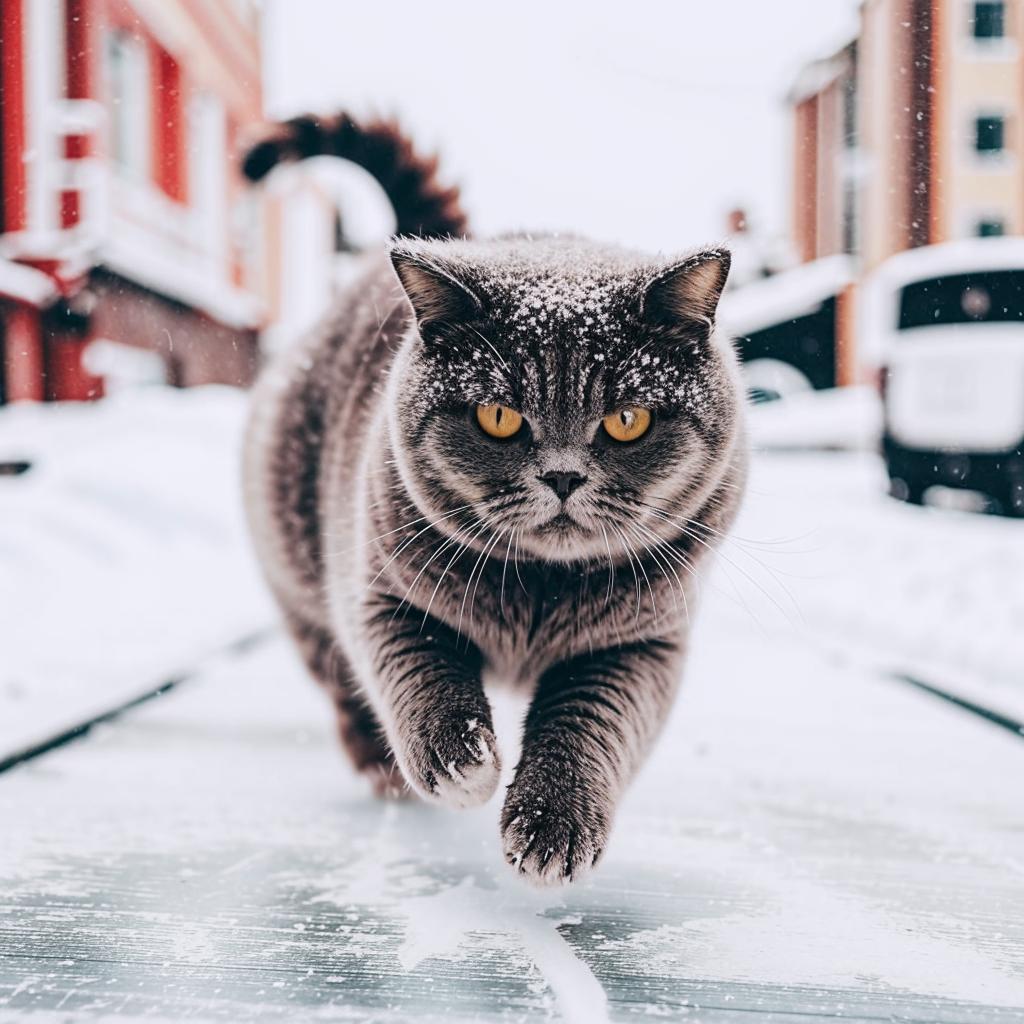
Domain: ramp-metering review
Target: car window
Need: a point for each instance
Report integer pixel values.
(979, 297)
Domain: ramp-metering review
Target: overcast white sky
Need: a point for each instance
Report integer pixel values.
(637, 122)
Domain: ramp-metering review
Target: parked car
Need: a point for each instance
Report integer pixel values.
(946, 323)
(786, 327)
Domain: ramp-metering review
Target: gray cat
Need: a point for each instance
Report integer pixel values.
(504, 457)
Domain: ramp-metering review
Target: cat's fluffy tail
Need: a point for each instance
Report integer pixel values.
(423, 207)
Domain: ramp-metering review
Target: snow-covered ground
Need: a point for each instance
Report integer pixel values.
(821, 551)
(841, 418)
(810, 838)
(124, 557)
(123, 554)
(928, 590)
(808, 842)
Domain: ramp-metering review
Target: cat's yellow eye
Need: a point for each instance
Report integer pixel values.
(628, 424)
(499, 420)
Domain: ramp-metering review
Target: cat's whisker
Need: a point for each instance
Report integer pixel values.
(647, 580)
(688, 566)
(611, 566)
(386, 500)
(480, 559)
(629, 554)
(646, 537)
(437, 551)
(771, 543)
(504, 570)
(740, 569)
(444, 572)
(686, 525)
(515, 559)
(702, 582)
(769, 546)
(405, 544)
(691, 524)
(443, 546)
(472, 602)
(400, 529)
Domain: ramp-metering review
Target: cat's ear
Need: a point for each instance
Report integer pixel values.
(436, 294)
(685, 295)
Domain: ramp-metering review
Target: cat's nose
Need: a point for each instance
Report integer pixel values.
(563, 484)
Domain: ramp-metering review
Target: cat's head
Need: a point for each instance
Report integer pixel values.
(566, 400)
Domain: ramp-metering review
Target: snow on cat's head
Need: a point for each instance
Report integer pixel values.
(561, 396)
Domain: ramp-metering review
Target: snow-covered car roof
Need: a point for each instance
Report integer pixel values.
(785, 296)
(958, 257)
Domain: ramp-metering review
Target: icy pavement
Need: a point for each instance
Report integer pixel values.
(806, 843)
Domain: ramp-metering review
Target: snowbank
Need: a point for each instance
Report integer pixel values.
(821, 553)
(26, 284)
(836, 418)
(123, 554)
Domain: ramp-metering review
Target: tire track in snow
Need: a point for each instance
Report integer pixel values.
(81, 729)
(883, 665)
(995, 717)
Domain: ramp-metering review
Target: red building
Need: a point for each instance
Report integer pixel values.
(128, 242)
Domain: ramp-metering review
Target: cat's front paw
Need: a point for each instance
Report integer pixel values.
(552, 837)
(454, 763)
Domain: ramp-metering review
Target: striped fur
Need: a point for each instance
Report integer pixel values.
(413, 555)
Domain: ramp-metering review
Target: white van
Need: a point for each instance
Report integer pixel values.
(945, 326)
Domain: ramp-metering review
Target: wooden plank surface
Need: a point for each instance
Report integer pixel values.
(807, 843)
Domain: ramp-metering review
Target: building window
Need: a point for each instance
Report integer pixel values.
(990, 227)
(989, 21)
(849, 101)
(169, 149)
(989, 134)
(129, 90)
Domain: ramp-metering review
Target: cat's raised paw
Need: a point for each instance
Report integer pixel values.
(456, 765)
(551, 843)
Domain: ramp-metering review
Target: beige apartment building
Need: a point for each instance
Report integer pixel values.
(911, 133)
